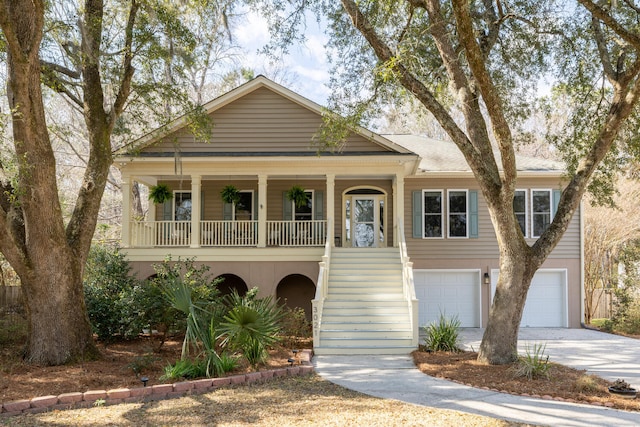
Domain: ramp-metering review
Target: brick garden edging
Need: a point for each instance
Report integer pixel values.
(151, 393)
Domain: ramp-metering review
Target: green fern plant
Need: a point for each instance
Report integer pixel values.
(160, 193)
(230, 194)
(298, 195)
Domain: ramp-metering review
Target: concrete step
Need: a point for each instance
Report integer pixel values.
(364, 318)
(364, 310)
(349, 304)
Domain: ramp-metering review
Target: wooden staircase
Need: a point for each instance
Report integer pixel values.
(365, 311)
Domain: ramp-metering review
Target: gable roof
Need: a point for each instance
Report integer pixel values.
(444, 156)
(250, 89)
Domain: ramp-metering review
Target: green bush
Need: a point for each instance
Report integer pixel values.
(443, 335)
(110, 295)
(251, 325)
(293, 326)
(534, 364)
(165, 299)
(184, 369)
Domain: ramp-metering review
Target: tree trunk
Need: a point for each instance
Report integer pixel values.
(40, 252)
(500, 340)
(55, 305)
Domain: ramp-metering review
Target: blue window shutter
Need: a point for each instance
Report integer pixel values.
(167, 210)
(318, 205)
(473, 214)
(555, 201)
(227, 211)
(417, 214)
(287, 213)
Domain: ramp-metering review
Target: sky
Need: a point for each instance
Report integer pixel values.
(305, 68)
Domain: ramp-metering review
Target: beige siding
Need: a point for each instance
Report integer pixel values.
(261, 121)
(485, 244)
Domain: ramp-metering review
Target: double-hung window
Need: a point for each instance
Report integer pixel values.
(304, 212)
(541, 215)
(243, 209)
(458, 213)
(520, 209)
(433, 213)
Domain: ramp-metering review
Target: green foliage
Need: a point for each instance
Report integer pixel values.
(184, 369)
(251, 325)
(189, 300)
(534, 364)
(160, 193)
(293, 326)
(230, 194)
(110, 295)
(443, 335)
(297, 195)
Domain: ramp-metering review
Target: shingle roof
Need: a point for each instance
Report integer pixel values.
(444, 156)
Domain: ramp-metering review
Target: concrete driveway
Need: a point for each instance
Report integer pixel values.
(396, 377)
(606, 355)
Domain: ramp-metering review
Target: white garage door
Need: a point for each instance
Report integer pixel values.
(448, 292)
(546, 305)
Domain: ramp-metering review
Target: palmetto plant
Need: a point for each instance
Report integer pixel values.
(251, 325)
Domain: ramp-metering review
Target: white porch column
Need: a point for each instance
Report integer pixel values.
(398, 206)
(331, 208)
(196, 203)
(126, 210)
(262, 211)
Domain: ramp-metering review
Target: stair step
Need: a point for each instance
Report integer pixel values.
(373, 334)
(350, 304)
(364, 350)
(365, 342)
(329, 311)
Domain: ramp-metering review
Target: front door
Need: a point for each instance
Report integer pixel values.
(366, 222)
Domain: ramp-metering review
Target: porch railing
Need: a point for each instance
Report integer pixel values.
(408, 285)
(296, 233)
(228, 233)
(160, 233)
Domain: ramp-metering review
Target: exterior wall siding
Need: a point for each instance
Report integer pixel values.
(486, 243)
(261, 121)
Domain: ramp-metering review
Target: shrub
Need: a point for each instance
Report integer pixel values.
(293, 326)
(586, 383)
(534, 364)
(109, 292)
(443, 335)
(251, 325)
(184, 368)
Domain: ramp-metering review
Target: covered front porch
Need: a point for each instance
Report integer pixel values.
(345, 210)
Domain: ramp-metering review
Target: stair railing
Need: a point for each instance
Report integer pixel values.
(322, 288)
(408, 285)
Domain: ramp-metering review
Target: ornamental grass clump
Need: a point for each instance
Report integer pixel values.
(534, 364)
(443, 335)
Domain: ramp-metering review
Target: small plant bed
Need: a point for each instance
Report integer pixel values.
(560, 382)
(117, 368)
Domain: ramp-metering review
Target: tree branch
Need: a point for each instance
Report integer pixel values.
(601, 14)
(493, 103)
(602, 50)
(127, 66)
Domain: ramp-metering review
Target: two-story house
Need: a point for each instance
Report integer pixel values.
(392, 233)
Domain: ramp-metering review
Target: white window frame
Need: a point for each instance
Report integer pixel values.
(233, 211)
(175, 197)
(442, 208)
(548, 191)
(313, 207)
(526, 210)
(466, 195)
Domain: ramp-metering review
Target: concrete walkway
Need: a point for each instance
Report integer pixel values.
(396, 377)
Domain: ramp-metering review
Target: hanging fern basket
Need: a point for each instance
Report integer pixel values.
(160, 193)
(230, 194)
(298, 196)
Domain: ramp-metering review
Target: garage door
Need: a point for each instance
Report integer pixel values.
(546, 305)
(448, 292)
